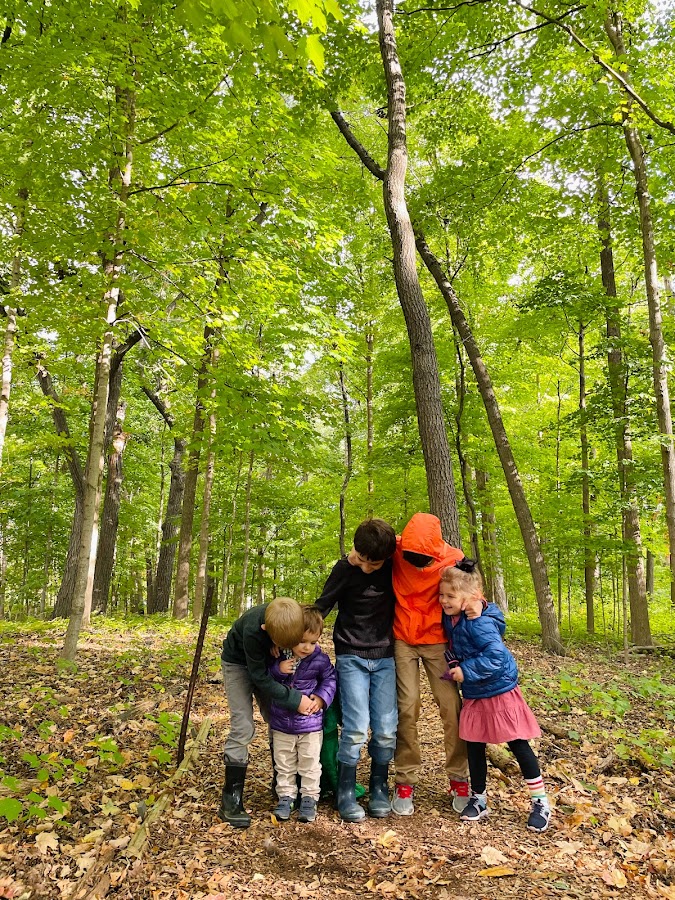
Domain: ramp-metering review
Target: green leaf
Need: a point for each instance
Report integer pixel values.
(10, 808)
(314, 51)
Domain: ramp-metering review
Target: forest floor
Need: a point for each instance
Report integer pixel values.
(85, 755)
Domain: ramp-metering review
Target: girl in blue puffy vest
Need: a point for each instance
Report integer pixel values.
(494, 710)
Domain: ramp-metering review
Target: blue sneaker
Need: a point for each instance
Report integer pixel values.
(283, 809)
(475, 810)
(540, 816)
(307, 810)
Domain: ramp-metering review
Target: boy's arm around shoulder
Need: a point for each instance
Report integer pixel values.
(333, 589)
(327, 680)
(256, 663)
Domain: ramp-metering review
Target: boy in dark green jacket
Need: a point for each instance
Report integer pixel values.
(246, 652)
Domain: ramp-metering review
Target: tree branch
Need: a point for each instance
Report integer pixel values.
(187, 115)
(61, 426)
(159, 405)
(357, 146)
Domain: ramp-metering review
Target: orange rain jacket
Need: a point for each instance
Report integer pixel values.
(417, 615)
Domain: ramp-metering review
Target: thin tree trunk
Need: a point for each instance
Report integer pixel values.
(200, 583)
(3, 570)
(464, 468)
(492, 566)
(618, 381)
(349, 465)
(589, 554)
(650, 573)
(370, 339)
(181, 598)
(640, 629)
(549, 625)
(247, 535)
(47, 565)
(227, 555)
(11, 312)
(121, 176)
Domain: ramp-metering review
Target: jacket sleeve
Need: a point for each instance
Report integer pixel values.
(274, 669)
(491, 654)
(256, 663)
(332, 590)
(327, 682)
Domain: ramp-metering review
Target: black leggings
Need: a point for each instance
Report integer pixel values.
(522, 751)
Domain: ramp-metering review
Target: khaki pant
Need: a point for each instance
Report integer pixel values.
(408, 759)
(297, 754)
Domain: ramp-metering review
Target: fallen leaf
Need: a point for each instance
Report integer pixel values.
(387, 839)
(497, 872)
(491, 856)
(47, 840)
(68, 735)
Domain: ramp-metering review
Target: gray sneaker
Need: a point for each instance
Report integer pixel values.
(283, 809)
(307, 810)
(402, 804)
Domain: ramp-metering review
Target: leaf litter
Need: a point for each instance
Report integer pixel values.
(86, 754)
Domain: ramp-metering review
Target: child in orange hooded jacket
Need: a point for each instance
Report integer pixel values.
(421, 554)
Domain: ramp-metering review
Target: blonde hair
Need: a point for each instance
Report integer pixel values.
(313, 619)
(467, 583)
(285, 622)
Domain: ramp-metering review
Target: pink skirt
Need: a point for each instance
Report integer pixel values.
(495, 720)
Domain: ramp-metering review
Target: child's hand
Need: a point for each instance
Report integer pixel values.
(315, 705)
(287, 666)
(319, 700)
(457, 674)
(306, 707)
(473, 607)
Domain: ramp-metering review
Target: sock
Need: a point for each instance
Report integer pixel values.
(536, 789)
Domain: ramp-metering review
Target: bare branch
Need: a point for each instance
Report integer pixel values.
(357, 146)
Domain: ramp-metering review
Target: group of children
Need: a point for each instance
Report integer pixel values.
(401, 601)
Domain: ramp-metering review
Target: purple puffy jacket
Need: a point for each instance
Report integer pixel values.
(314, 675)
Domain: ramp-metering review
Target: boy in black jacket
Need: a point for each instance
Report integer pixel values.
(246, 651)
(360, 585)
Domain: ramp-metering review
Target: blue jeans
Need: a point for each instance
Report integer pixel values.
(368, 700)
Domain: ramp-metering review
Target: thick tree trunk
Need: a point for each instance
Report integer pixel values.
(181, 598)
(618, 381)
(549, 625)
(349, 464)
(105, 557)
(11, 312)
(426, 380)
(247, 535)
(494, 574)
(589, 553)
(120, 175)
(167, 550)
(640, 630)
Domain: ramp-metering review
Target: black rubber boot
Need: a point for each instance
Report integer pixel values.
(379, 804)
(231, 805)
(349, 809)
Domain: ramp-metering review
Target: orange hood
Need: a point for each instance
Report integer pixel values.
(417, 617)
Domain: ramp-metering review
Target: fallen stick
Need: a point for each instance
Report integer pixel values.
(195, 670)
(137, 844)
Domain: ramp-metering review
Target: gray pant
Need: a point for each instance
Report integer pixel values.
(240, 692)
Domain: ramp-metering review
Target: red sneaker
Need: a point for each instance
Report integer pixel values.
(402, 804)
(459, 791)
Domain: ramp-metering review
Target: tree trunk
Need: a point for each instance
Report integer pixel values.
(247, 536)
(227, 554)
(494, 574)
(3, 570)
(640, 629)
(11, 312)
(167, 550)
(105, 557)
(120, 175)
(426, 380)
(650, 573)
(464, 468)
(589, 554)
(47, 565)
(181, 597)
(549, 626)
(618, 381)
(370, 339)
(200, 583)
(348, 457)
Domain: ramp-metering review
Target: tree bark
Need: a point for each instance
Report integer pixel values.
(618, 382)
(120, 175)
(11, 312)
(549, 625)
(589, 554)
(494, 574)
(640, 629)
(649, 579)
(247, 536)
(349, 464)
(370, 339)
(227, 555)
(181, 598)
(200, 582)
(464, 468)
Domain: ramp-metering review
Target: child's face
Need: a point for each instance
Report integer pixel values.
(450, 599)
(362, 562)
(306, 645)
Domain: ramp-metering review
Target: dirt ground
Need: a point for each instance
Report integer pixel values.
(82, 748)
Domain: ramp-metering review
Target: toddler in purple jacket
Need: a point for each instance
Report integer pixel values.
(297, 738)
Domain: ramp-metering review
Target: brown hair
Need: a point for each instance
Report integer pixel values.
(313, 619)
(375, 539)
(463, 581)
(284, 622)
